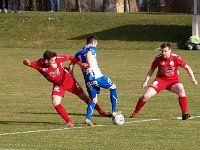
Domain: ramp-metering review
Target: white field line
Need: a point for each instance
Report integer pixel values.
(60, 129)
(147, 120)
(100, 125)
(192, 117)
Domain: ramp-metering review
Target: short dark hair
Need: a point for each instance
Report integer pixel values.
(91, 38)
(164, 45)
(49, 54)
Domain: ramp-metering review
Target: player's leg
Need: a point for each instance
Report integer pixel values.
(113, 99)
(58, 5)
(105, 82)
(57, 95)
(87, 100)
(52, 5)
(142, 100)
(77, 89)
(6, 6)
(56, 101)
(178, 88)
(90, 109)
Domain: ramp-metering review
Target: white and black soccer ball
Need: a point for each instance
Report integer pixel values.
(118, 119)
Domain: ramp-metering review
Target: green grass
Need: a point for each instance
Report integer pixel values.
(125, 54)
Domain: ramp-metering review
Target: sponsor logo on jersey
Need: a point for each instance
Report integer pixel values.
(171, 63)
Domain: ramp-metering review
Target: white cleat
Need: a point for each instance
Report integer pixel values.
(89, 122)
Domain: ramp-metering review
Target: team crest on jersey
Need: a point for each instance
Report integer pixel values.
(171, 63)
(54, 65)
(162, 63)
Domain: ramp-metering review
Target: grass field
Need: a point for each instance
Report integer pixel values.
(126, 49)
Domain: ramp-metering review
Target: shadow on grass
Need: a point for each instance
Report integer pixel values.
(26, 122)
(163, 33)
(52, 113)
(36, 122)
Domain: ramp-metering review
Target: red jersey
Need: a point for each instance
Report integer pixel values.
(168, 68)
(56, 74)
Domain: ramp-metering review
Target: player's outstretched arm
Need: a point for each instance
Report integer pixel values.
(191, 74)
(30, 63)
(74, 60)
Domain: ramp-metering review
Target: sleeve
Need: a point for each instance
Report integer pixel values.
(63, 58)
(180, 62)
(93, 50)
(35, 64)
(154, 64)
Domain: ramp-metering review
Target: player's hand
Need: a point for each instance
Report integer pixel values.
(194, 82)
(85, 66)
(144, 84)
(26, 62)
(88, 70)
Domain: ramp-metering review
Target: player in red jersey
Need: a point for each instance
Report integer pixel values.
(50, 66)
(166, 78)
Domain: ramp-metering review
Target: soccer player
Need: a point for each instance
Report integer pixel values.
(166, 78)
(50, 66)
(94, 79)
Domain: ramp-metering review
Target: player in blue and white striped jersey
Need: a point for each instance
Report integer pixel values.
(94, 79)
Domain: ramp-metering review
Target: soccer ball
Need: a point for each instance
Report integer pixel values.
(118, 119)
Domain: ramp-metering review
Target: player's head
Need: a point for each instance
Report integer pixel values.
(92, 40)
(166, 50)
(49, 57)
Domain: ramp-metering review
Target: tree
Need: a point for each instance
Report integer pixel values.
(133, 6)
(126, 6)
(109, 6)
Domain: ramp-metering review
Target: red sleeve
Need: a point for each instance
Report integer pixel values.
(180, 62)
(34, 64)
(154, 65)
(63, 58)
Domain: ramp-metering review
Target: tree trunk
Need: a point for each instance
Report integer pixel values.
(109, 6)
(126, 6)
(133, 5)
(63, 5)
(120, 6)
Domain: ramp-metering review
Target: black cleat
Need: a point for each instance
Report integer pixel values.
(185, 116)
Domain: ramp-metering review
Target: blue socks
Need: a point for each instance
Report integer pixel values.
(90, 109)
(113, 99)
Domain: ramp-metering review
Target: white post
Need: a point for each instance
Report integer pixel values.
(195, 7)
(195, 20)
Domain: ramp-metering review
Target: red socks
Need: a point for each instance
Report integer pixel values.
(63, 113)
(183, 104)
(139, 105)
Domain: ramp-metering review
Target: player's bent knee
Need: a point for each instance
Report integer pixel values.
(56, 100)
(113, 87)
(55, 103)
(144, 98)
(182, 92)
